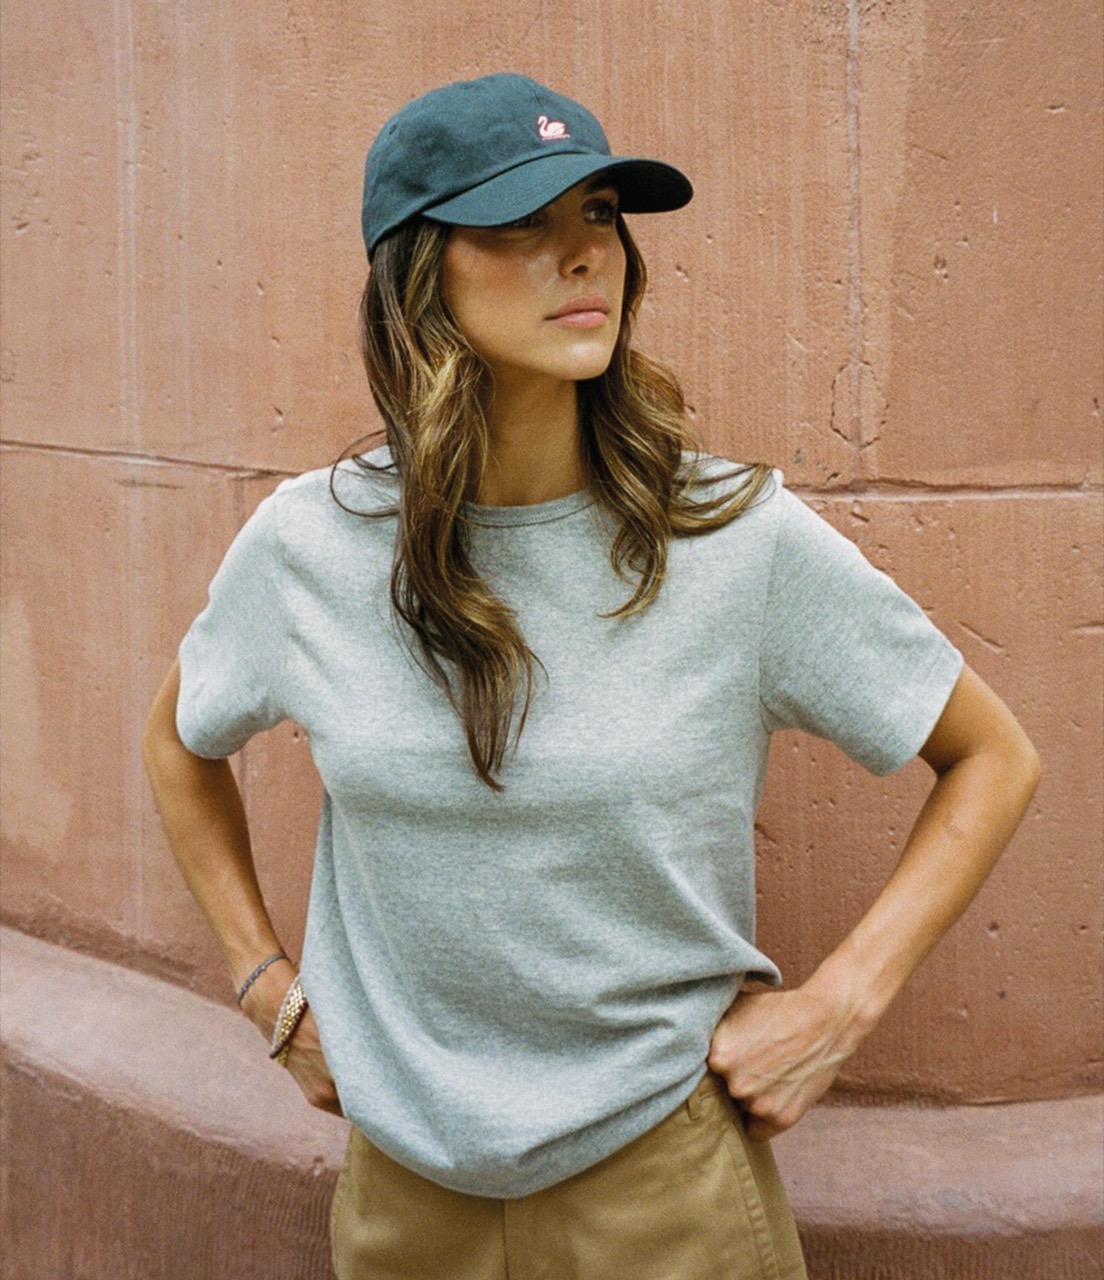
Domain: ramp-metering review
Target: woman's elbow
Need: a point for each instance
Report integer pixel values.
(1016, 765)
(160, 739)
(1029, 765)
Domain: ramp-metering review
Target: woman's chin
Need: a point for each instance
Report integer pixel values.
(586, 363)
(580, 368)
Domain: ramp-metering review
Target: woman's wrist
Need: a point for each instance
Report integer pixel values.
(256, 972)
(292, 1010)
(261, 1004)
(847, 986)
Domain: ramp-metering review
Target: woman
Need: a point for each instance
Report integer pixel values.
(539, 649)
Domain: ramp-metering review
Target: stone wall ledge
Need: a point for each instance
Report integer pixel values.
(146, 1135)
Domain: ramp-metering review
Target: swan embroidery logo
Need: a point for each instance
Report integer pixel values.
(550, 130)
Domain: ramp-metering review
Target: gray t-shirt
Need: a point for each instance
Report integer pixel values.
(510, 987)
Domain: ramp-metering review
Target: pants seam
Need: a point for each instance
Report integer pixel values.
(753, 1202)
(505, 1249)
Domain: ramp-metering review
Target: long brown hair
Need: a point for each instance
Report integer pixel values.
(431, 389)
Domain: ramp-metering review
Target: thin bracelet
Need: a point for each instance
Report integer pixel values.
(280, 955)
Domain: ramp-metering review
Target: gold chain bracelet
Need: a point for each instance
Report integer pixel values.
(287, 1021)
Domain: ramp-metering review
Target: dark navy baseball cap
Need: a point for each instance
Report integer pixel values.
(478, 153)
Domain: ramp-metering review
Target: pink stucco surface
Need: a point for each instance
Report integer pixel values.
(889, 283)
(214, 1168)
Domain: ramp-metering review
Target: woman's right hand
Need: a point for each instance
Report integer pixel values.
(305, 1061)
(205, 822)
(309, 1069)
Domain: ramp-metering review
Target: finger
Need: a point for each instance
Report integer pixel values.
(324, 1097)
(314, 1081)
(760, 1130)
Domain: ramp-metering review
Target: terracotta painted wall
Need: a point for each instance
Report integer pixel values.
(889, 283)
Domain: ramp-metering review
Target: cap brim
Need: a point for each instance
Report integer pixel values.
(645, 186)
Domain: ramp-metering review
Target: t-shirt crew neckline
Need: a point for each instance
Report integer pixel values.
(533, 513)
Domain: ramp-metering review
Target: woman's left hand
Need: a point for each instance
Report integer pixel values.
(779, 1051)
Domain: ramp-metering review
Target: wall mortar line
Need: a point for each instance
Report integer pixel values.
(130, 391)
(856, 343)
(138, 458)
(889, 490)
(879, 490)
(127, 246)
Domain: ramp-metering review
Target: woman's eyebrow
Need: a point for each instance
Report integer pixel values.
(599, 182)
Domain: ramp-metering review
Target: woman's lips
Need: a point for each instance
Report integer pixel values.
(588, 312)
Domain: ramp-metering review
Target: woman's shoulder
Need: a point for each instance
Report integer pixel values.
(327, 513)
(364, 484)
(711, 477)
(790, 522)
(711, 467)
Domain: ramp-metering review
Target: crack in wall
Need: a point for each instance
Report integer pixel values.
(858, 377)
(994, 646)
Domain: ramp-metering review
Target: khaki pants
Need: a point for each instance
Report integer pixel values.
(691, 1199)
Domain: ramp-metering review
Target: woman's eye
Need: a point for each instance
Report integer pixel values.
(604, 211)
(522, 224)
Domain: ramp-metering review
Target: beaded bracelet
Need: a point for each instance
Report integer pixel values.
(280, 955)
(287, 1021)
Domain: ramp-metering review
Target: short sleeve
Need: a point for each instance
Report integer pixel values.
(845, 654)
(232, 658)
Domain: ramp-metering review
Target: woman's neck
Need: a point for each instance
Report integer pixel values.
(536, 450)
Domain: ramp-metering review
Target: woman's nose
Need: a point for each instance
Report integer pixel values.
(584, 250)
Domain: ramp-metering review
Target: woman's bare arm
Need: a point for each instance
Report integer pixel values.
(204, 819)
(780, 1051)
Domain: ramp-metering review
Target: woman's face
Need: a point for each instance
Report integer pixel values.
(542, 296)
